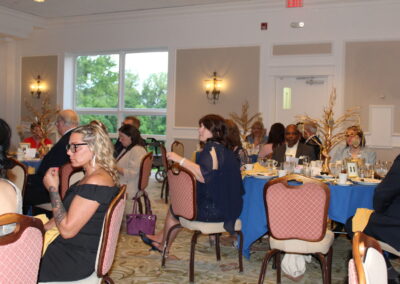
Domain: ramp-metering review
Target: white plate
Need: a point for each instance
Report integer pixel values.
(348, 183)
(367, 182)
(262, 176)
(325, 177)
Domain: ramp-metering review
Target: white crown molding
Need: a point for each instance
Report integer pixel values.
(35, 20)
(242, 7)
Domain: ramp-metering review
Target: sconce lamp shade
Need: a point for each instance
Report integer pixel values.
(37, 87)
(213, 88)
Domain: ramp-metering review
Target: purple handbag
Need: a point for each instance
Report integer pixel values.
(137, 222)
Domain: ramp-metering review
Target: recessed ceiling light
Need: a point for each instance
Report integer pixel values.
(39, 1)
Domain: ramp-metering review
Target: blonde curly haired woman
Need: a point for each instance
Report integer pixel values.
(79, 217)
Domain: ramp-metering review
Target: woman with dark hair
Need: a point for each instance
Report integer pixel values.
(10, 195)
(219, 182)
(355, 147)
(276, 137)
(234, 143)
(128, 160)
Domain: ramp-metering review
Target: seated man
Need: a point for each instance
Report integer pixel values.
(292, 146)
(311, 139)
(384, 222)
(36, 193)
(130, 120)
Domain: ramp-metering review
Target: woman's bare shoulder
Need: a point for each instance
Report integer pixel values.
(100, 178)
(8, 197)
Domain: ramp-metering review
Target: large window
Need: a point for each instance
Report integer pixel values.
(110, 87)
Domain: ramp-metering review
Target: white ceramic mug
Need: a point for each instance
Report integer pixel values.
(342, 178)
(282, 173)
(248, 167)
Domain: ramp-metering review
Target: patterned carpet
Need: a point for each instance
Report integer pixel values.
(134, 263)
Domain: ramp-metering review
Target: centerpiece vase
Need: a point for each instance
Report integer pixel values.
(325, 165)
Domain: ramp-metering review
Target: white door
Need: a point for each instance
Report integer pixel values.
(300, 95)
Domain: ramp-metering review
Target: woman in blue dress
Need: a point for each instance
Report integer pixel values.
(219, 181)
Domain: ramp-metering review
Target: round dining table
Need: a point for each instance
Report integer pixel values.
(344, 201)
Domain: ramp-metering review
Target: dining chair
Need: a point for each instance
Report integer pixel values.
(68, 176)
(178, 148)
(183, 201)
(20, 250)
(18, 175)
(144, 176)
(368, 264)
(297, 222)
(164, 187)
(108, 242)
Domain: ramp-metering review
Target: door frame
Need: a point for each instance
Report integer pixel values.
(269, 113)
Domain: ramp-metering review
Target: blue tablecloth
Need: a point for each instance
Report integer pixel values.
(344, 200)
(35, 163)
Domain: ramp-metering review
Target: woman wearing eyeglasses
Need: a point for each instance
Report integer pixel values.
(79, 217)
(355, 147)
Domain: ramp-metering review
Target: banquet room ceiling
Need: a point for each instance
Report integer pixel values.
(70, 8)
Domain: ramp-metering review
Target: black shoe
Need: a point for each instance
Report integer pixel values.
(149, 242)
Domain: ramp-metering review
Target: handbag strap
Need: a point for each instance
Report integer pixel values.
(146, 198)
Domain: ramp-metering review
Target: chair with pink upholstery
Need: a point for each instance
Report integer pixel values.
(68, 176)
(297, 222)
(368, 264)
(107, 244)
(182, 184)
(21, 250)
(144, 176)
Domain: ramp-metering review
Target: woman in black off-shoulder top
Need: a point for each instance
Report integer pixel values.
(79, 217)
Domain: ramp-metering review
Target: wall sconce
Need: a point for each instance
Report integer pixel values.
(37, 88)
(213, 88)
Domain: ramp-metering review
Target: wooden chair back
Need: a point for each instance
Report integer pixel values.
(297, 211)
(21, 250)
(182, 191)
(145, 171)
(178, 148)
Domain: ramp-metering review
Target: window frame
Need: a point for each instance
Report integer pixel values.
(120, 111)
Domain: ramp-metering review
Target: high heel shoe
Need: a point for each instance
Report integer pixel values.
(149, 242)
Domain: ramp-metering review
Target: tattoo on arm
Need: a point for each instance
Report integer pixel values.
(58, 207)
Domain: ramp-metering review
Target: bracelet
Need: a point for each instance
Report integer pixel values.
(182, 161)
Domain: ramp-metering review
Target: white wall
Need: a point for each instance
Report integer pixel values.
(212, 26)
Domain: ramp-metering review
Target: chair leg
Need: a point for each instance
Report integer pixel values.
(192, 248)
(166, 192)
(164, 252)
(217, 247)
(264, 265)
(278, 267)
(163, 187)
(325, 267)
(240, 252)
(329, 267)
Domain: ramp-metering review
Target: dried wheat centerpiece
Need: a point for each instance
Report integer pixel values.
(331, 131)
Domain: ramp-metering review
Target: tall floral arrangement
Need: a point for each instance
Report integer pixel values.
(244, 120)
(44, 115)
(331, 130)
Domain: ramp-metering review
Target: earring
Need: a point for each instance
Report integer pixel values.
(94, 161)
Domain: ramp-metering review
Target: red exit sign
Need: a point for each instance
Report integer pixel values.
(294, 3)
